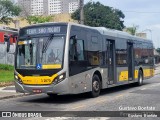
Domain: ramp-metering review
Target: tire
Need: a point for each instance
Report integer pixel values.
(140, 78)
(96, 86)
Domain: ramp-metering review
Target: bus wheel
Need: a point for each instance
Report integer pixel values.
(51, 95)
(95, 86)
(140, 78)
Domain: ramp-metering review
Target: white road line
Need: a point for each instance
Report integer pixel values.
(155, 85)
(143, 88)
(2, 89)
(78, 107)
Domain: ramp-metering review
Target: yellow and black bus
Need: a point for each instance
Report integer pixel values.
(68, 58)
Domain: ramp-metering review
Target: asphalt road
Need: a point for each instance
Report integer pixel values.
(113, 99)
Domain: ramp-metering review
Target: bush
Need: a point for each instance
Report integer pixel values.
(6, 67)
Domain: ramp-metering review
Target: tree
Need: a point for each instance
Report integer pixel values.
(8, 10)
(38, 19)
(132, 30)
(158, 50)
(96, 14)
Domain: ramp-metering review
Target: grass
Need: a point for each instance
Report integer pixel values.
(6, 67)
(6, 73)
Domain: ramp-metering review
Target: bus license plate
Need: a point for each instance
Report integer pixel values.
(37, 91)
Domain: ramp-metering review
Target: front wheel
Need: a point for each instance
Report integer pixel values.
(140, 78)
(96, 86)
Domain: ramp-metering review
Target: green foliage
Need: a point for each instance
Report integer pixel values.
(96, 14)
(6, 67)
(7, 11)
(38, 19)
(132, 30)
(158, 50)
(6, 76)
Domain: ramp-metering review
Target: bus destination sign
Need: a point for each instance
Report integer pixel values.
(43, 30)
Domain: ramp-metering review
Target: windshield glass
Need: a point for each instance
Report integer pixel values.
(40, 53)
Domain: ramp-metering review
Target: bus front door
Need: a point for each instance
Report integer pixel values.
(111, 61)
(130, 61)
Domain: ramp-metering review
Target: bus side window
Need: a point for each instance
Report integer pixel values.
(76, 51)
(71, 50)
(80, 50)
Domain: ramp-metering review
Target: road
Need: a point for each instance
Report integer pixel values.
(112, 99)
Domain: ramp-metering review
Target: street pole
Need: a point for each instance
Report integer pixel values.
(149, 31)
(81, 11)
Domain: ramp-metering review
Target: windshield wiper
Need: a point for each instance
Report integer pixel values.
(45, 46)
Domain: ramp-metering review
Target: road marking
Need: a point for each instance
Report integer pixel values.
(100, 118)
(78, 107)
(119, 96)
(100, 101)
(2, 89)
(58, 118)
(155, 85)
(143, 88)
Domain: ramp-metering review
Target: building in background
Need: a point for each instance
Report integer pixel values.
(52, 7)
(142, 35)
(25, 6)
(36, 7)
(47, 7)
(31, 7)
(69, 6)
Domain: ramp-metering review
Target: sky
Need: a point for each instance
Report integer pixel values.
(144, 13)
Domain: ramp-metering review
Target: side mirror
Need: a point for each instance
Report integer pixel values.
(74, 37)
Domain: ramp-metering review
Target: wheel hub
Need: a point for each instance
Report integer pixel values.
(96, 86)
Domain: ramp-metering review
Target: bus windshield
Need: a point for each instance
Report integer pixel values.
(40, 53)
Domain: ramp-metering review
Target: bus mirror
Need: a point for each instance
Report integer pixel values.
(74, 37)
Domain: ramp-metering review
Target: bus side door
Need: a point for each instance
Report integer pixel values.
(111, 62)
(131, 67)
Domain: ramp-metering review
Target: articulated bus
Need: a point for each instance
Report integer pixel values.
(68, 58)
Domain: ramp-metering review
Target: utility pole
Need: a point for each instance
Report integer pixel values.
(81, 3)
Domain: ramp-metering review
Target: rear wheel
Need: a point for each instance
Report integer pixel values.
(140, 78)
(96, 86)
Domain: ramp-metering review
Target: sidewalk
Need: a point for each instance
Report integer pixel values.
(157, 69)
(9, 92)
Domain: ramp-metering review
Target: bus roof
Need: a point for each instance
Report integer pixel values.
(101, 30)
(119, 34)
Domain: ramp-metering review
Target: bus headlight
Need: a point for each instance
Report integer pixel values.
(18, 79)
(59, 78)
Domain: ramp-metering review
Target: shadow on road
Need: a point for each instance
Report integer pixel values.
(64, 99)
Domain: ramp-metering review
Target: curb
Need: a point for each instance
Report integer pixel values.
(6, 84)
(14, 96)
(157, 74)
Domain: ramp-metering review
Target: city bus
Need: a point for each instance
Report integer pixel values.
(68, 58)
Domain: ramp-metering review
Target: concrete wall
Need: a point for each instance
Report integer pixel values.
(7, 58)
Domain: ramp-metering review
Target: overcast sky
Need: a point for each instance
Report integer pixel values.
(144, 13)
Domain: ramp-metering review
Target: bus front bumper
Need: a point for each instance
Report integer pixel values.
(60, 88)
